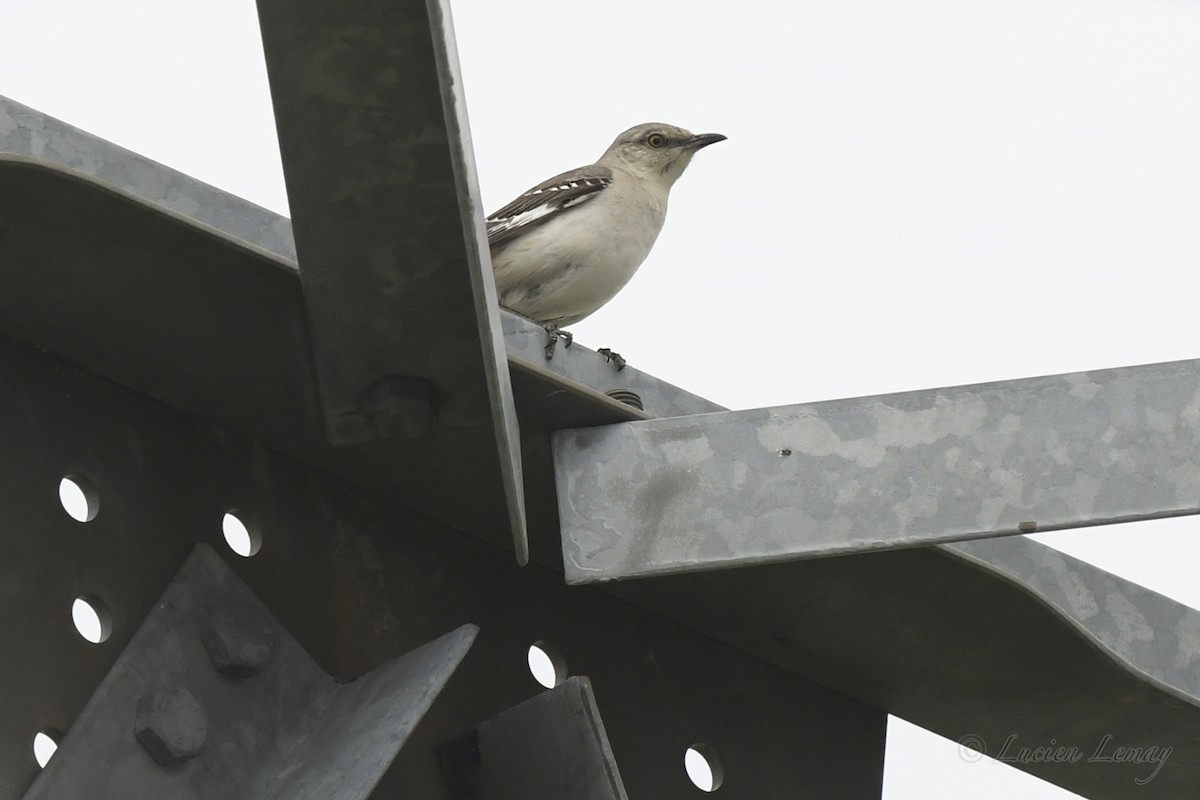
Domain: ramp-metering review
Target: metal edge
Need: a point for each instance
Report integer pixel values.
(161, 208)
(127, 173)
(483, 285)
(518, 329)
(971, 553)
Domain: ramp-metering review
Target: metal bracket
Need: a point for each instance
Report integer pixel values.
(552, 747)
(212, 698)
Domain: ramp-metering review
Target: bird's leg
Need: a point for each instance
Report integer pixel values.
(553, 334)
(612, 358)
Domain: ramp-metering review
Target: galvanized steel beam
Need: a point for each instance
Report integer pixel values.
(987, 643)
(877, 473)
(359, 580)
(189, 296)
(394, 263)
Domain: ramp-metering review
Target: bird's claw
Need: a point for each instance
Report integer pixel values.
(553, 334)
(612, 358)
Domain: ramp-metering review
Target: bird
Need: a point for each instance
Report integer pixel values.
(564, 248)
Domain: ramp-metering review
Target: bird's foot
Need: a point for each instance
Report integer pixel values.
(612, 358)
(553, 334)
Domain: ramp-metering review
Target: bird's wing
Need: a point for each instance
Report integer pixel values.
(546, 201)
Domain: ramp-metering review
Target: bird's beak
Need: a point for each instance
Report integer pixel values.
(703, 140)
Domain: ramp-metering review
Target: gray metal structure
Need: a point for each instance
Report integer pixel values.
(280, 729)
(552, 745)
(382, 187)
(879, 473)
(160, 345)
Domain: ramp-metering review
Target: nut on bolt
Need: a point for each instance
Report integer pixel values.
(171, 725)
(239, 640)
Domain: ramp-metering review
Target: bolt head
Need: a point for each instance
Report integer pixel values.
(171, 725)
(239, 640)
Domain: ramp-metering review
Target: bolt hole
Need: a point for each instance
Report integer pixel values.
(91, 618)
(45, 743)
(703, 767)
(546, 665)
(79, 498)
(241, 533)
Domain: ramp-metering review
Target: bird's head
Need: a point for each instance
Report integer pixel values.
(656, 152)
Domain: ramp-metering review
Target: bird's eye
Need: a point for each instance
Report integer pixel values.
(656, 140)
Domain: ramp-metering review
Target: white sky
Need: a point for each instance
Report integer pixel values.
(913, 194)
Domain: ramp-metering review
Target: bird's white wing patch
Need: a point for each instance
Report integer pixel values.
(543, 202)
(575, 184)
(544, 207)
(497, 224)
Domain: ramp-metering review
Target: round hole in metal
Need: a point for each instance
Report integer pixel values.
(79, 498)
(241, 533)
(703, 767)
(546, 665)
(91, 618)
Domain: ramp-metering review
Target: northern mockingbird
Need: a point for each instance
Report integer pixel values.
(567, 246)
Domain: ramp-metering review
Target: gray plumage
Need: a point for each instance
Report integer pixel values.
(565, 247)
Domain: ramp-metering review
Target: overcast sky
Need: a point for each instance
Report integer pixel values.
(913, 193)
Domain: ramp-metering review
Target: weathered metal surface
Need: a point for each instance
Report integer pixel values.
(389, 231)
(31, 137)
(112, 261)
(358, 580)
(1150, 635)
(136, 284)
(552, 747)
(1003, 646)
(365, 723)
(165, 723)
(874, 473)
(578, 370)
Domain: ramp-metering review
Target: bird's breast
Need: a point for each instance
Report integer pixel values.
(572, 265)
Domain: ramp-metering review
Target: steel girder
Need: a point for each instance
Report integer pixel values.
(155, 342)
